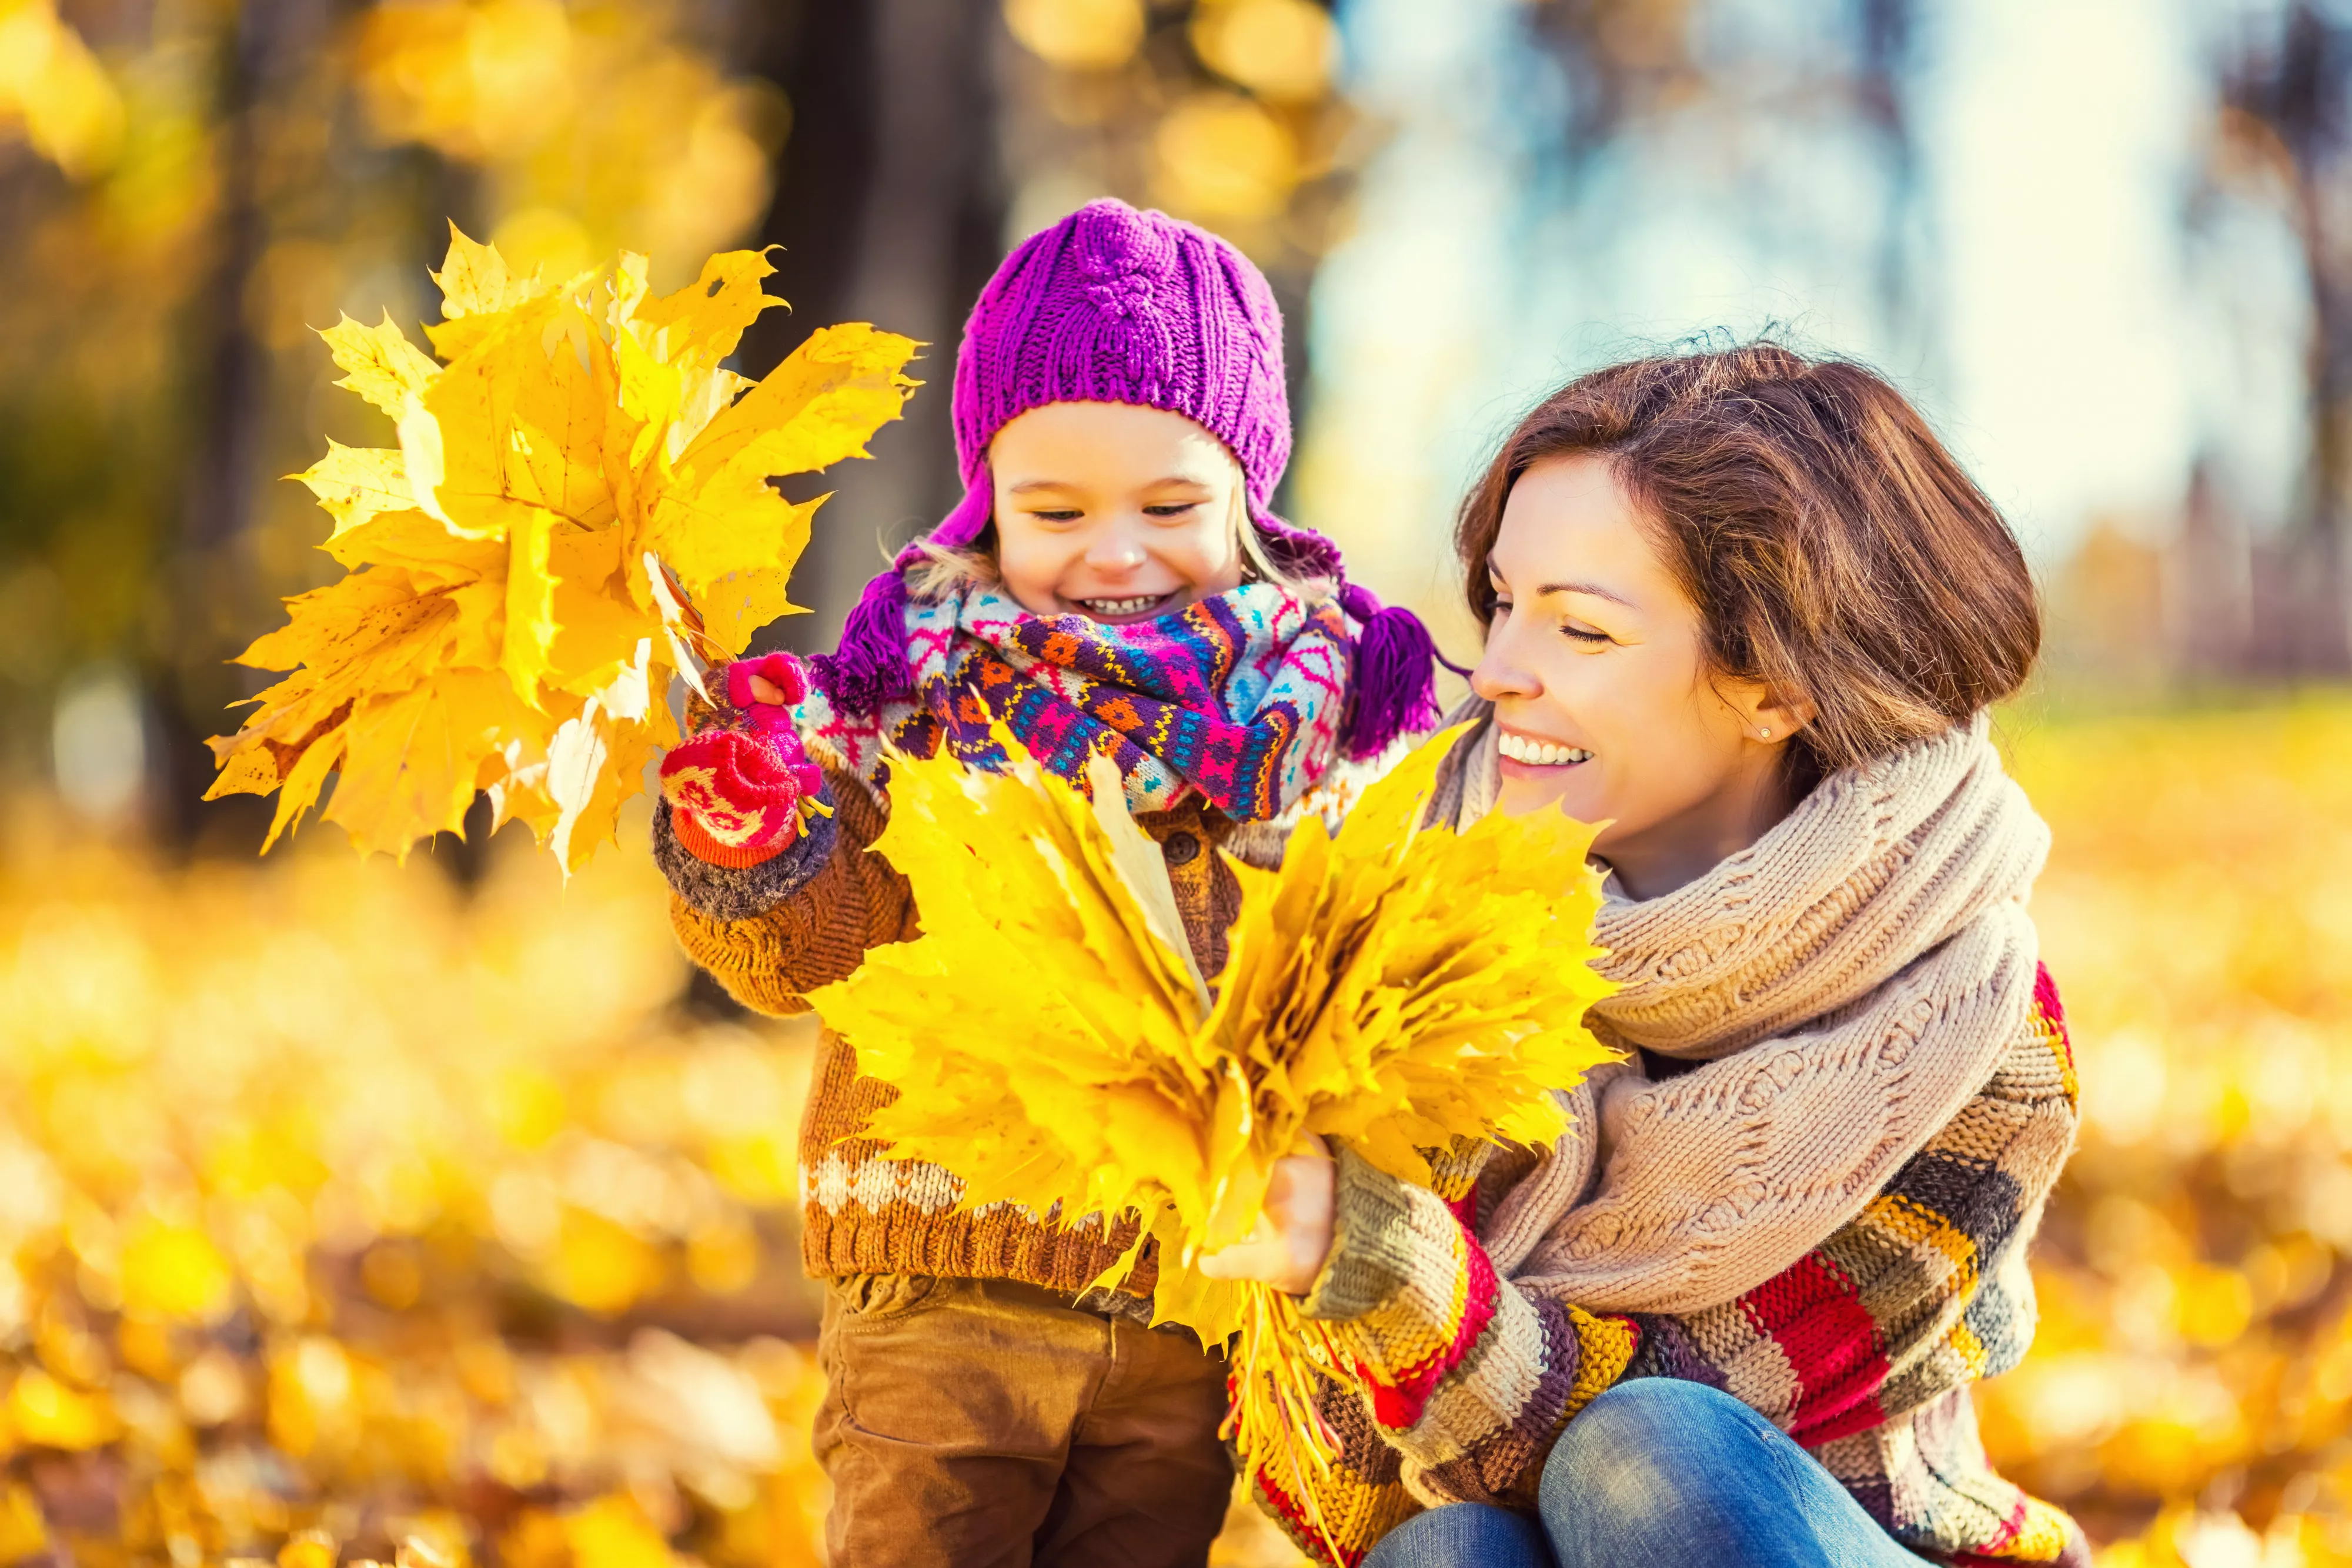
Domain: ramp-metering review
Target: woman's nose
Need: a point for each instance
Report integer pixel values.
(1499, 674)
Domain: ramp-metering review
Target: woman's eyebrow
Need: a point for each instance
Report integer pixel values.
(1593, 588)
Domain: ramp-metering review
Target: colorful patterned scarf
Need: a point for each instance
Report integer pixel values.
(1239, 696)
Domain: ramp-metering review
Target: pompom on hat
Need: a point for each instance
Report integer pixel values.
(1113, 304)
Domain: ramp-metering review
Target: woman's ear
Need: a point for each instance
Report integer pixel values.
(1764, 713)
(1784, 714)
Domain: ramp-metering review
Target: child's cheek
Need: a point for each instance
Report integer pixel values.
(1031, 567)
(1212, 561)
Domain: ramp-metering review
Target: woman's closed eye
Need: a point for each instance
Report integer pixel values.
(1584, 633)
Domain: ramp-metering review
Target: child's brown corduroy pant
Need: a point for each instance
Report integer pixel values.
(989, 1423)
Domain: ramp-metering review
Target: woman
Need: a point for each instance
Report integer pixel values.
(1746, 609)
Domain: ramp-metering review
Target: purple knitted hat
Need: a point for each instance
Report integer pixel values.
(1112, 305)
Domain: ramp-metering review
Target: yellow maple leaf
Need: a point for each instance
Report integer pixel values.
(381, 364)
(580, 491)
(359, 484)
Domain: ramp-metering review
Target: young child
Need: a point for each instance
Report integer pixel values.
(1113, 581)
(1746, 609)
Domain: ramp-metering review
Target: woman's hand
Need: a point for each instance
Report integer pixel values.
(1293, 1234)
(735, 793)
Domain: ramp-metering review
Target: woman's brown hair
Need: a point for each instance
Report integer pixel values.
(1836, 552)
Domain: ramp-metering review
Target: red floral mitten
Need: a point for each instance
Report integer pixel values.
(735, 793)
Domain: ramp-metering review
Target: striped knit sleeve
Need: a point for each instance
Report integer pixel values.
(1472, 1378)
(1467, 1377)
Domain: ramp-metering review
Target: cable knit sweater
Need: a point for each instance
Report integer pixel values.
(1812, 1185)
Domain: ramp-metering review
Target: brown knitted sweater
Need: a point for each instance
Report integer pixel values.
(861, 1213)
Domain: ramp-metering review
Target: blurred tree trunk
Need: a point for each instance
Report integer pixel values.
(2298, 94)
(887, 206)
(265, 46)
(1886, 33)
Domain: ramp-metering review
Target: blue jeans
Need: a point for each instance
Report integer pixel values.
(1657, 1473)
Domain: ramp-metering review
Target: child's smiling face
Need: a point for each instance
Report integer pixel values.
(1115, 512)
(1606, 705)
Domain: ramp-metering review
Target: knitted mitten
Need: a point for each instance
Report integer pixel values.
(735, 791)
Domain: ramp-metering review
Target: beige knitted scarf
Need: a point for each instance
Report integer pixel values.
(1846, 983)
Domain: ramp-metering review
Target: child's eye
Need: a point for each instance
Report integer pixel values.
(1170, 508)
(1055, 514)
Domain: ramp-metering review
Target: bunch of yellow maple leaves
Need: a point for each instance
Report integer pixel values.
(1400, 986)
(579, 506)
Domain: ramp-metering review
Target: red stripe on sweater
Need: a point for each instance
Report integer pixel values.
(1991, 1555)
(1398, 1404)
(2045, 1000)
(1465, 1209)
(1812, 1312)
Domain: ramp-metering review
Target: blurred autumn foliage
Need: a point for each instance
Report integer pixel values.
(355, 1213)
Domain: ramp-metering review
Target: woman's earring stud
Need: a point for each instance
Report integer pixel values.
(1763, 735)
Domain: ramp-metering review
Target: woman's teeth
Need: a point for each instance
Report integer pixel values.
(1120, 606)
(1541, 753)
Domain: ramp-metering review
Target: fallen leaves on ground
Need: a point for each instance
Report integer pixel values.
(351, 1213)
(2189, 1390)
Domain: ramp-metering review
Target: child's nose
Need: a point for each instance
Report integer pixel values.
(1115, 549)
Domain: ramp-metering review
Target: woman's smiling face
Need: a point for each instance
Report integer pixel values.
(1595, 662)
(1115, 512)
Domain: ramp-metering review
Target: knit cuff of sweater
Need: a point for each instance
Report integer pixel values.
(741, 892)
(1372, 1249)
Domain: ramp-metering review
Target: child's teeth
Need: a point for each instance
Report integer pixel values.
(1121, 606)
